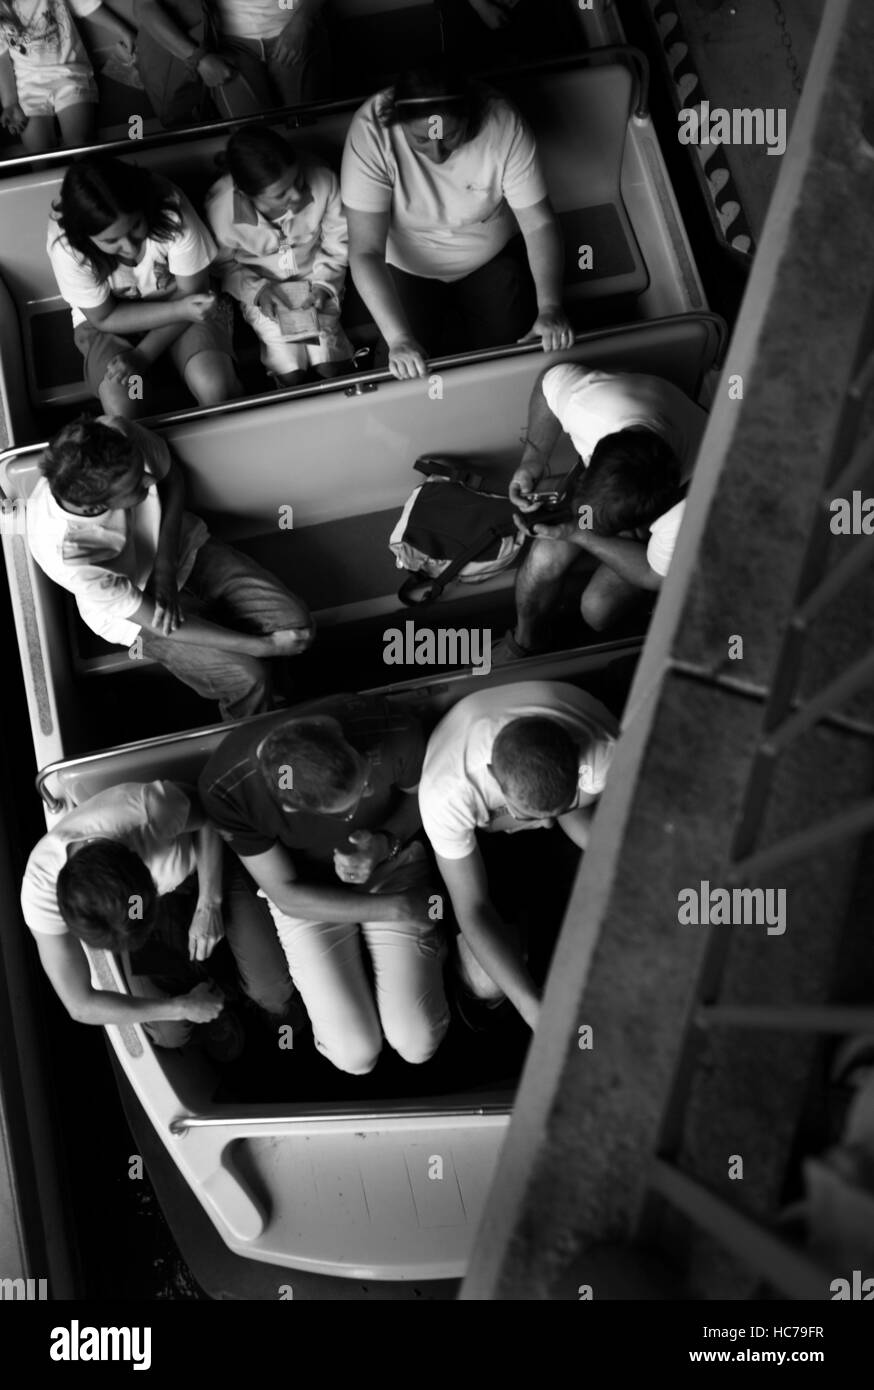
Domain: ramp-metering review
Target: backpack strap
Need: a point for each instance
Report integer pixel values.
(432, 588)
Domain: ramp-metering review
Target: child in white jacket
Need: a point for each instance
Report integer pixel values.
(278, 221)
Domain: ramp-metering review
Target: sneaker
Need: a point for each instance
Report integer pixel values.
(223, 1039)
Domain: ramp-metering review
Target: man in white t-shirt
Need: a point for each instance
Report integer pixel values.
(103, 876)
(439, 178)
(107, 522)
(638, 437)
(515, 757)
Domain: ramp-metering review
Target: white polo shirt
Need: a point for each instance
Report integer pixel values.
(106, 561)
(457, 793)
(147, 817)
(187, 252)
(253, 19)
(446, 219)
(592, 404)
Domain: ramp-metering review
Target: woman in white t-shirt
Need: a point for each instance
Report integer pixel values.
(45, 73)
(131, 258)
(440, 175)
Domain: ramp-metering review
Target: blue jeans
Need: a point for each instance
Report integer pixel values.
(263, 82)
(229, 588)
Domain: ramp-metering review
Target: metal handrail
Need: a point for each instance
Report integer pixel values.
(308, 114)
(355, 385)
(350, 1112)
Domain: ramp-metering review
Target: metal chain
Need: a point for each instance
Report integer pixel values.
(786, 40)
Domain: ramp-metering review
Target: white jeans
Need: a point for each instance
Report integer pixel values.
(325, 961)
(280, 357)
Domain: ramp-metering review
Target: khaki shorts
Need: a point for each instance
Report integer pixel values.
(99, 348)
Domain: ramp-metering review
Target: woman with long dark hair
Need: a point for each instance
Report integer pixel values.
(453, 244)
(282, 240)
(131, 258)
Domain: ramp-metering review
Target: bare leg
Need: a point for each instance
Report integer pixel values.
(538, 587)
(78, 124)
(211, 378)
(38, 135)
(607, 598)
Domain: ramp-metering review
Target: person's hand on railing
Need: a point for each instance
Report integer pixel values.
(553, 327)
(406, 359)
(13, 118)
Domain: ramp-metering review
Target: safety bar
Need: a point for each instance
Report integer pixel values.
(366, 381)
(262, 1117)
(298, 117)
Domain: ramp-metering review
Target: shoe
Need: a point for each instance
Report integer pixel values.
(223, 1039)
(508, 650)
(293, 1016)
(478, 1014)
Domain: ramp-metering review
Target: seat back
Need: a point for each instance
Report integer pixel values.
(181, 757)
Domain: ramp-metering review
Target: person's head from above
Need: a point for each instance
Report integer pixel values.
(265, 167)
(109, 209)
(93, 468)
(106, 895)
(437, 108)
(536, 763)
(633, 477)
(309, 766)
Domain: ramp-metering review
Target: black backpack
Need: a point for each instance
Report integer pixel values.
(451, 528)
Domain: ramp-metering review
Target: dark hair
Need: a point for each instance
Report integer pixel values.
(9, 17)
(107, 896)
(436, 90)
(536, 761)
(97, 190)
(633, 476)
(85, 459)
(257, 156)
(319, 765)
